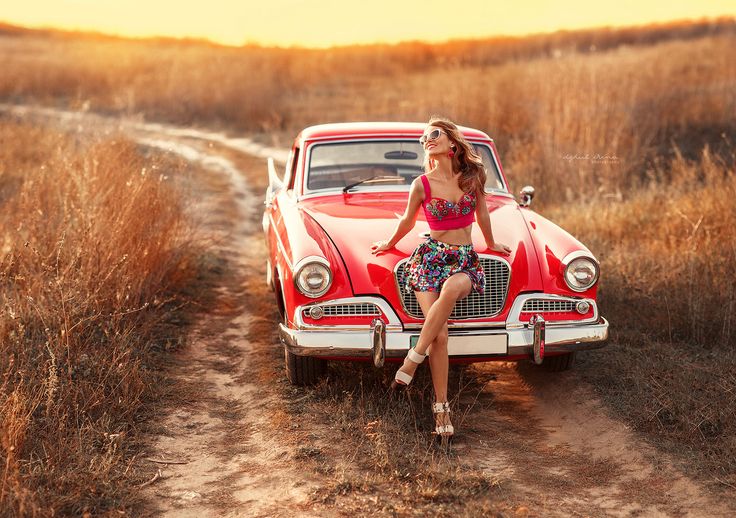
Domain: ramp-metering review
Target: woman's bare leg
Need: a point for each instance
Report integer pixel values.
(438, 360)
(454, 288)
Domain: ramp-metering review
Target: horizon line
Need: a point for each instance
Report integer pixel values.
(4, 25)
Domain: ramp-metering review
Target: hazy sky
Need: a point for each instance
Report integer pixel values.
(320, 23)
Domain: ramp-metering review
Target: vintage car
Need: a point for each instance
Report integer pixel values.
(345, 185)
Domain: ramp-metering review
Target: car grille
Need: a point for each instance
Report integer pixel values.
(474, 305)
(360, 309)
(548, 306)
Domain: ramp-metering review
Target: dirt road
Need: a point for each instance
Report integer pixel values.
(242, 442)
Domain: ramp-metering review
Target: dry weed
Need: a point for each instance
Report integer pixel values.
(96, 260)
(668, 289)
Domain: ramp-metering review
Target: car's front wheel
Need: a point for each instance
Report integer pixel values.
(304, 370)
(559, 363)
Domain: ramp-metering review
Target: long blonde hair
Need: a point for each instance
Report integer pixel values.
(466, 161)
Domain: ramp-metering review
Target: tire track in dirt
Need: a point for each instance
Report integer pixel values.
(228, 460)
(236, 465)
(559, 446)
(254, 448)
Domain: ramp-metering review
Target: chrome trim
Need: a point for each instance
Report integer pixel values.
(578, 253)
(582, 307)
(537, 324)
(526, 194)
(378, 342)
(480, 256)
(343, 309)
(358, 343)
(398, 134)
(315, 312)
(394, 324)
(575, 255)
(540, 305)
(306, 261)
(460, 325)
(514, 319)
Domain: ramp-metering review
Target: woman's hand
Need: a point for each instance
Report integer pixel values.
(498, 247)
(380, 246)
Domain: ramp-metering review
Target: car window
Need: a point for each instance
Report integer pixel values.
(493, 177)
(394, 163)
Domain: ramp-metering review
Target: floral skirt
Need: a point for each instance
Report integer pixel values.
(433, 262)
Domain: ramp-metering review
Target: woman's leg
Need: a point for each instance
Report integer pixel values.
(438, 360)
(455, 287)
(439, 363)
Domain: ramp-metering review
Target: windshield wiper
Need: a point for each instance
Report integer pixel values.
(371, 179)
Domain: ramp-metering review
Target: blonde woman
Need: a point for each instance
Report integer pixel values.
(445, 268)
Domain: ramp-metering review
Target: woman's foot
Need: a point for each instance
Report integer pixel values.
(443, 426)
(406, 372)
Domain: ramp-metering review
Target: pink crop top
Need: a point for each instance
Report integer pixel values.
(445, 215)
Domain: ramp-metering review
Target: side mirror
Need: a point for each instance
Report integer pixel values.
(527, 195)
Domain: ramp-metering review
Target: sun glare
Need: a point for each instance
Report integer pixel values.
(323, 23)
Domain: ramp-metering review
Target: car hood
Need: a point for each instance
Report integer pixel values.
(354, 221)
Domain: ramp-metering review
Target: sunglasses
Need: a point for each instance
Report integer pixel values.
(432, 135)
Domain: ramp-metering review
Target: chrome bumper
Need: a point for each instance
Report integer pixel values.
(379, 341)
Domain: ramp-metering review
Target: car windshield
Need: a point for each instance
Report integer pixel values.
(370, 163)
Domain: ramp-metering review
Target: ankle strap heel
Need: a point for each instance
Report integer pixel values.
(403, 379)
(442, 408)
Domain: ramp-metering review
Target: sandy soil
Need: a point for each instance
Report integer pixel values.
(240, 444)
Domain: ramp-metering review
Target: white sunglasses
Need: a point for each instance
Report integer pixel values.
(432, 135)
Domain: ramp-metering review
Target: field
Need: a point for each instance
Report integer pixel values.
(92, 293)
(627, 136)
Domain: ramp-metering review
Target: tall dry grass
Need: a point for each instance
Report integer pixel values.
(611, 127)
(668, 288)
(573, 113)
(668, 250)
(95, 268)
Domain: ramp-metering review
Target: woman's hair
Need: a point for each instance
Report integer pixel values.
(466, 161)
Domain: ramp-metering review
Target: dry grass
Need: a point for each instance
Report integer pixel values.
(574, 113)
(95, 267)
(667, 251)
(668, 288)
(630, 145)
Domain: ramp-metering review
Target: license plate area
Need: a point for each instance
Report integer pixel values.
(470, 344)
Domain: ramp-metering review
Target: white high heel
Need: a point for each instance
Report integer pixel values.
(442, 408)
(402, 379)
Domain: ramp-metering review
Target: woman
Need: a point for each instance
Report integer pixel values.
(444, 268)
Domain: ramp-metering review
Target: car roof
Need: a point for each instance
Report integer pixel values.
(376, 129)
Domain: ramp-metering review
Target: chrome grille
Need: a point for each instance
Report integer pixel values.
(360, 309)
(548, 306)
(474, 305)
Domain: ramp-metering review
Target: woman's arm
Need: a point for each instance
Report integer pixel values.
(483, 217)
(407, 221)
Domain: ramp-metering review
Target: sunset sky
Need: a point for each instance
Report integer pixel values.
(321, 23)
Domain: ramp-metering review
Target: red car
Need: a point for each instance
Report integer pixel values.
(345, 186)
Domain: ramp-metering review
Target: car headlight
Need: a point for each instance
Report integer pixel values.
(580, 271)
(313, 276)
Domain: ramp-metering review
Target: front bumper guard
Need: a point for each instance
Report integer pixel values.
(535, 340)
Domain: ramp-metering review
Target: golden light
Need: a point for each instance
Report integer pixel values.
(323, 23)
